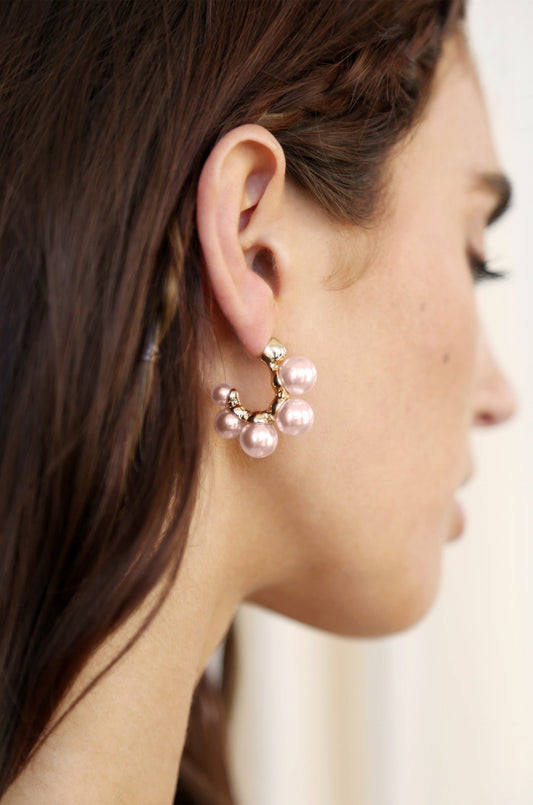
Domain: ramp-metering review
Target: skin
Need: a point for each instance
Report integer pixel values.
(344, 527)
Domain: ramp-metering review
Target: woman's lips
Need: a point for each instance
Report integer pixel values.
(459, 521)
(459, 518)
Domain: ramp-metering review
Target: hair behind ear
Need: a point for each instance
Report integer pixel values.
(204, 776)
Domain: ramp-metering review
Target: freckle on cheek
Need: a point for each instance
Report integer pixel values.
(446, 357)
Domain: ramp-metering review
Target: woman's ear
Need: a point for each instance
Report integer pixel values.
(240, 196)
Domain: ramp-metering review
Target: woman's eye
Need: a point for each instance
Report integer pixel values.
(481, 271)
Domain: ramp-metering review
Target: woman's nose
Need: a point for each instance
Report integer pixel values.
(495, 398)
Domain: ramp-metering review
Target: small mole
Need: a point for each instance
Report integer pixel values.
(446, 357)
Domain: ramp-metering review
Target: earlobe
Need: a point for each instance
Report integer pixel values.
(240, 193)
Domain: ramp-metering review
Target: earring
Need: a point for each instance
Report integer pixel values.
(257, 435)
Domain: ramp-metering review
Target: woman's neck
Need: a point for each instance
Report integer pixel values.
(123, 741)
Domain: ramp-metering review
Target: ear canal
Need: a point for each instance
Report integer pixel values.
(264, 265)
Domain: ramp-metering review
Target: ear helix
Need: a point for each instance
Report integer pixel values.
(257, 435)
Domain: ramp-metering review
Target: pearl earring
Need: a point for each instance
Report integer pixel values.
(257, 435)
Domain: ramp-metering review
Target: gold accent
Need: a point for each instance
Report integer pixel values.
(273, 355)
(262, 416)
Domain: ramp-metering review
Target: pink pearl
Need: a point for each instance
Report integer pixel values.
(227, 424)
(220, 394)
(258, 439)
(298, 375)
(294, 417)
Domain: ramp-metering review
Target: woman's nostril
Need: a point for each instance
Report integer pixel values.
(485, 419)
(500, 405)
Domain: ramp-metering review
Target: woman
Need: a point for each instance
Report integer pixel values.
(182, 182)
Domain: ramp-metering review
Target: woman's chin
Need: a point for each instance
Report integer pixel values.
(373, 613)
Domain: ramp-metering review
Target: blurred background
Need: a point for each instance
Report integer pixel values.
(442, 714)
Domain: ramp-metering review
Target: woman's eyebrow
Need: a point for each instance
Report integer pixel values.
(500, 187)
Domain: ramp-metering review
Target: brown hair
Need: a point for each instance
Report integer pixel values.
(108, 111)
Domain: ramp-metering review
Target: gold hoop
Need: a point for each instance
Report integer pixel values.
(256, 430)
(273, 355)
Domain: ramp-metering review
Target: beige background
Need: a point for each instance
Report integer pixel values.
(442, 715)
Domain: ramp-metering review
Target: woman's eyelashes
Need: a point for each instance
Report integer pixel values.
(481, 271)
